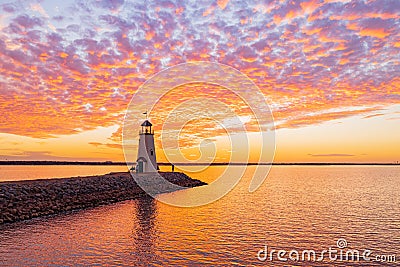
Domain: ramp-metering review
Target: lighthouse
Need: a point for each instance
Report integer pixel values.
(146, 158)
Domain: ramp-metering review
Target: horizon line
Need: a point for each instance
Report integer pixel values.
(55, 162)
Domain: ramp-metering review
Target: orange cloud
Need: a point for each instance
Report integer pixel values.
(377, 33)
(208, 11)
(222, 3)
(310, 7)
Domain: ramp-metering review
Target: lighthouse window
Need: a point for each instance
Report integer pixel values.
(151, 152)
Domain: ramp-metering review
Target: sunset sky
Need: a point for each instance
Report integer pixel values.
(328, 69)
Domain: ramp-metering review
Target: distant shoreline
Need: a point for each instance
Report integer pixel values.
(103, 163)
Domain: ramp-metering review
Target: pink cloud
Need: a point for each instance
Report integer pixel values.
(304, 55)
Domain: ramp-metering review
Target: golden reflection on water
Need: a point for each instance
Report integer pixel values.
(144, 231)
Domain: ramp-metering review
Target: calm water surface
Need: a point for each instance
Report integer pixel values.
(297, 208)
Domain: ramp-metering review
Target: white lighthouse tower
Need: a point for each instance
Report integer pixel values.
(146, 159)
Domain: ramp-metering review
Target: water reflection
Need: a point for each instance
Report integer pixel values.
(297, 208)
(144, 230)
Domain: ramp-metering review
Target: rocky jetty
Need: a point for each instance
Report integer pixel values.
(22, 200)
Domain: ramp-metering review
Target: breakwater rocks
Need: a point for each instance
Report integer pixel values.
(22, 200)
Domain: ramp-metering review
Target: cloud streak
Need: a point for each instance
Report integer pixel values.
(331, 155)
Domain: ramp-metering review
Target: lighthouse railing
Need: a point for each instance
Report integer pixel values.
(146, 131)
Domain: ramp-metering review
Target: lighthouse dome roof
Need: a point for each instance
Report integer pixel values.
(146, 123)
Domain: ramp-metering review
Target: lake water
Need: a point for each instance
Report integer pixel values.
(297, 208)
